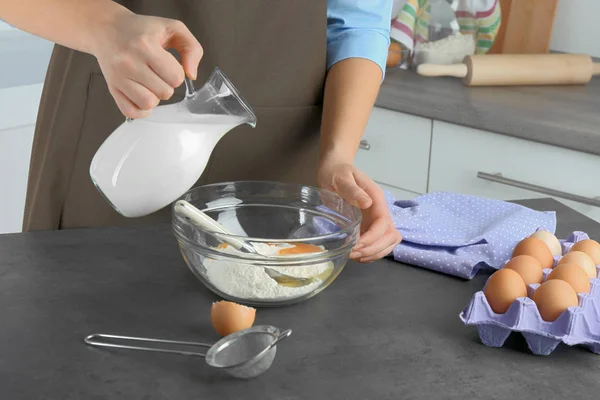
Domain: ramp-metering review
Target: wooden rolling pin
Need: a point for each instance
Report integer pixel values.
(518, 69)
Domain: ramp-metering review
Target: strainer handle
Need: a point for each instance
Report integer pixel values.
(97, 340)
(282, 336)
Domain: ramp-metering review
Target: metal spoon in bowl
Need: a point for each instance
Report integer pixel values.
(199, 219)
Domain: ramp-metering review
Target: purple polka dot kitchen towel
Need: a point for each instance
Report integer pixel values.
(458, 234)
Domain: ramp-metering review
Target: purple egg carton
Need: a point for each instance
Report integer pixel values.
(577, 326)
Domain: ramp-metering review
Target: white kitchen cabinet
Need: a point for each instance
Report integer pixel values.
(399, 194)
(6, 27)
(19, 105)
(18, 114)
(458, 154)
(24, 58)
(23, 62)
(15, 152)
(395, 150)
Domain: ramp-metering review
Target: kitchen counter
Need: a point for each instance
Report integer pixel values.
(381, 331)
(564, 116)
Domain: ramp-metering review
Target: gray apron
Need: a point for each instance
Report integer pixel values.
(273, 51)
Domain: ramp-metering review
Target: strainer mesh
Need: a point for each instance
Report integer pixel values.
(242, 349)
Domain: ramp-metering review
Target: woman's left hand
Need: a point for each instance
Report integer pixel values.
(378, 234)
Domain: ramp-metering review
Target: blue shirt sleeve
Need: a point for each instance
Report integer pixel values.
(358, 29)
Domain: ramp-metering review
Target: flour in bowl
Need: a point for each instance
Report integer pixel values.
(252, 282)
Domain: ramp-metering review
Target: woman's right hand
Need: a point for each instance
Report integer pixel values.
(138, 69)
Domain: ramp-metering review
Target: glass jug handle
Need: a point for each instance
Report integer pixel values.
(189, 92)
(189, 88)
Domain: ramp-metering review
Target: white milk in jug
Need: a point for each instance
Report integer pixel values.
(171, 146)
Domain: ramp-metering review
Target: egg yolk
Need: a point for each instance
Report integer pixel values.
(300, 248)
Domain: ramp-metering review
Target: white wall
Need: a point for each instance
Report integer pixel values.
(577, 27)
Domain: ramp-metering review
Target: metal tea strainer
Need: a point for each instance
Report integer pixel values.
(243, 354)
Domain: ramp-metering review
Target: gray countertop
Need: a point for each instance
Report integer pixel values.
(564, 116)
(381, 331)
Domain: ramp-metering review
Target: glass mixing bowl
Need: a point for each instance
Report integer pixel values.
(301, 231)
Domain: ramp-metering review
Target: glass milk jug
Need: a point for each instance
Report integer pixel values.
(147, 163)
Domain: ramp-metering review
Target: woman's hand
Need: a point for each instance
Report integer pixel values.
(378, 235)
(139, 71)
(130, 48)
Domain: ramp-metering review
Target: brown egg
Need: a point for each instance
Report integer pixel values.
(551, 241)
(300, 248)
(553, 297)
(573, 274)
(228, 317)
(590, 247)
(582, 259)
(528, 267)
(394, 57)
(536, 248)
(503, 288)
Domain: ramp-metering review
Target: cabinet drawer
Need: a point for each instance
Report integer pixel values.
(458, 154)
(398, 150)
(15, 152)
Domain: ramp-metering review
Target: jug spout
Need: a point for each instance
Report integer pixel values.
(219, 96)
